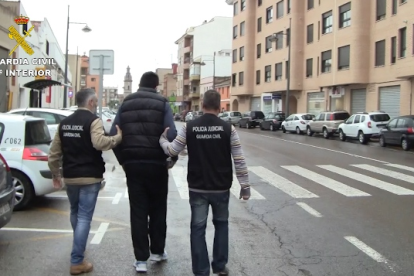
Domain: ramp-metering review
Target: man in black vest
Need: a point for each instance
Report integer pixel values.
(80, 141)
(211, 144)
(143, 116)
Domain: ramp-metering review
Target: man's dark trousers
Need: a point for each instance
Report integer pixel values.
(148, 191)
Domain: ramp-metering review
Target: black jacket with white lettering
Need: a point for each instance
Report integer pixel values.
(80, 158)
(210, 166)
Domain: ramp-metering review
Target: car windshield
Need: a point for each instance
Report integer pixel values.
(236, 114)
(341, 116)
(258, 115)
(37, 133)
(380, 117)
(308, 117)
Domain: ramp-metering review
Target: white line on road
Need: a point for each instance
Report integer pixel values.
(401, 167)
(309, 209)
(394, 189)
(126, 195)
(235, 190)
(179, 174)
(100, 233)
(385, 172)
(326, 182)
(370, 252)
(117, 198)
(39, 230)
(282, 183)
(66, 197)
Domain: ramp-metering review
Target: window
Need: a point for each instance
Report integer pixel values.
(343, 57)
(233, 80)
(402, 123)
(259, 3)
(345, 15)
(380, 117)
(268, 73)
(393, 49)
(381, 9)
(241, 78)
(234, 55)
(309, 33)
(394, 6)
(242, 28)
(241, 53)
(268, 44)
(287, 69)
(326, 61)
(259, 24)
(279, 9)
(49, 117)
(287, 37)
(327, 21)
(278, 71)
(236, 8)
(47, 47)
(93, 79)
(309, 68)
(258, 77)
(403, 1)
(37, 133)
(279, 40)
(269, 15)
(243, 5)
(235, 31)
(289, 7)
(357, 119)
(310, 4)
(403, 42)
(259, 50)
(380, 53)
(392, 124)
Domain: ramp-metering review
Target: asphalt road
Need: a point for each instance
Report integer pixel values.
(318, 207)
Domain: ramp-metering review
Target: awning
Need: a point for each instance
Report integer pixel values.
(41, 84)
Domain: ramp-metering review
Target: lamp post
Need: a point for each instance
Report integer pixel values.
(86, 29)
(275, 38)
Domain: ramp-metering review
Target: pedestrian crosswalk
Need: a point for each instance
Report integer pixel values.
(353, 180)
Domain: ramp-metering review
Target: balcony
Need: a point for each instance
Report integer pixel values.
(194, 95)
(404, 69)
(195, 77)
(187, 49)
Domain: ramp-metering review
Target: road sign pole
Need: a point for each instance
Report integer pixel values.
(101, 76)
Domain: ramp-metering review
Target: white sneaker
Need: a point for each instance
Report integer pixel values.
(140, 266)
(159, 257)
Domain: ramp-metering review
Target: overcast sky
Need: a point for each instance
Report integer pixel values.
(142, 33)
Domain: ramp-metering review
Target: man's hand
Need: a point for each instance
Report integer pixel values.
(118, 130)
(164, 134)
(57, 182)
(171, 162)
(245, 193)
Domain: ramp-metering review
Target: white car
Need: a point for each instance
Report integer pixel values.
(24, 144)
(297, 122)
(107, 118)
(363, 126)
(53, 117)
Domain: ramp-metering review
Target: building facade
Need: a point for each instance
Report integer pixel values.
(161, 73)
(345, 55)
(87, 80)
(75, 62)
(222, 85)
(127, 83)
(110, 97)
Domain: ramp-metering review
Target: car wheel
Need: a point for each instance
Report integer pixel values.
(342, 135)
(272, 127)
(325, 133)
(362, 138)
(309, 131)
(247, 125)
(24, 190)
(283, 129)
(404, 144)
(298, 131)
(382, 141)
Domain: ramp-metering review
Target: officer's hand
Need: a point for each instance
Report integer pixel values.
(164, 134)
(118, 130)
(245, 193)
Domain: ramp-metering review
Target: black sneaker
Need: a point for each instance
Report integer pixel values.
(225, 272)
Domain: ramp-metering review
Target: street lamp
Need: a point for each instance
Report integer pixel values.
(275, 38)
(202, 63)
(86, 29)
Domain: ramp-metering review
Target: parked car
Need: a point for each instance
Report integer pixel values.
(53, 117)
(183, 114)
(272, 121)
(25, 143)
(6, 191)
(177, 117)
(327, 123)
(363, 126)
(399, 131)
(232, 117)
(251, 119)
(188, 117)
(107, 118)
(297, 123)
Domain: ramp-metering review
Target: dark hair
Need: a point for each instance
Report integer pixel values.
(149, 80)
(83, 96)
(211, 100)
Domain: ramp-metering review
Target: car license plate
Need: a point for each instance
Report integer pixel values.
(4, 209)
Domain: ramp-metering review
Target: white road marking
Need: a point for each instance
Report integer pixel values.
(14, 229)
(394, 189)
(179, 174)
(326, 182)
(100, 233)
(309, 209)
(117, 198)
(66, 197)
(126, 195)
(282, 183)
(401, 167)
(373, 254)
(235, 190)
(385, 172)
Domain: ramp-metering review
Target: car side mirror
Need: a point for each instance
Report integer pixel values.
(314, 119)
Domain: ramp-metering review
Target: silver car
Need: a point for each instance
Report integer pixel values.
(232, 117)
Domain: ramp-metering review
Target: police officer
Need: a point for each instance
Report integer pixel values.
(211, 144)
(80, 141)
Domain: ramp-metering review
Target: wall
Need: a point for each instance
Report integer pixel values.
(161, 72)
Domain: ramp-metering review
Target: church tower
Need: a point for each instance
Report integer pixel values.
(127, 83)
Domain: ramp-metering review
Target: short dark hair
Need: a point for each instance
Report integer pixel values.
(211, 100)
(149, 80)
(83, 96)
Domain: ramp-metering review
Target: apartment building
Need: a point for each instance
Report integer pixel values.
(87, 80)
(345, 54)
(161, 73)
(203, 51)
(110, 96)
(221, 85)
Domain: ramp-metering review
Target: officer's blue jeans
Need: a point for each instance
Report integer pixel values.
(82, 200)
(200, 203)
